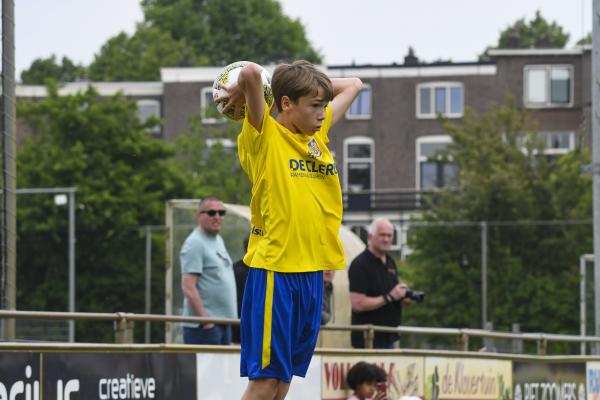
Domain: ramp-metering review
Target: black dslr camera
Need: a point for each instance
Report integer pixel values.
(415, 295)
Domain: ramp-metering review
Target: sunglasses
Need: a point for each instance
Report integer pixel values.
(212, 213)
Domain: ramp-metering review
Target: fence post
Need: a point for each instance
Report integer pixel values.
(542, 345)
(464, 341)
(517, 344)
(488, 343)
(370, 337)
(123, 329)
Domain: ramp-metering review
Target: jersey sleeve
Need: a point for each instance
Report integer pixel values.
(324, 131)
(251, 141)
(250, 137)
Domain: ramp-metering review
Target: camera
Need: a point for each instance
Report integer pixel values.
(415, 295)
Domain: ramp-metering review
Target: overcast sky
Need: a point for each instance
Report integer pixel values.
(363, 31)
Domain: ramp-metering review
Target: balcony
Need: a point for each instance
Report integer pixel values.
(387, 199)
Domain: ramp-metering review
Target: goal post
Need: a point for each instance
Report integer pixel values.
(181, 219)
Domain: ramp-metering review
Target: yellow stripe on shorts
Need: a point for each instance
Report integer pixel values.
(268, 318)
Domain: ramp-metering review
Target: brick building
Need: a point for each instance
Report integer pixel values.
(383, 146)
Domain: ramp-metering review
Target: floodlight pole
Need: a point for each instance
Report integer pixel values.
(484, 268)
(72, 262)
(148, 279)
(147, 298)
(595, 111)
(583, 260)
(71, 251)
(8, 213)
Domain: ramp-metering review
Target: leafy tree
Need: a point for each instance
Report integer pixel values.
(587, 39)
(537, 33)
(187, 33)
(42, 69)
(207, 154)
(139, 57)
(230, 30)
(532, 268)
(122, 176)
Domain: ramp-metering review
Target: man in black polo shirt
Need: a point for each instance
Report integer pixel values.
(376, 294)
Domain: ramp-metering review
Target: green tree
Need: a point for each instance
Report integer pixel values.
(42, 69)
(207, 154)
(536, 33)
(533, 269)
(122, 176)
(230, 30)
(587, 39)
(139, 57)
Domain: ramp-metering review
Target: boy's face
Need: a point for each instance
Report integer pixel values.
(366, 390)
(307, 114)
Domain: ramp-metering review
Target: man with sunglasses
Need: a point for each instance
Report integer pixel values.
(207, 278)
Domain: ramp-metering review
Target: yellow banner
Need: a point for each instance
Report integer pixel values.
(467, 379)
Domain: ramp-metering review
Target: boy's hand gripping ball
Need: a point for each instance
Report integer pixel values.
(230, 74)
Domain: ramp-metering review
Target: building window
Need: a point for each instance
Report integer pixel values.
(226, 146)
(149, 109)
(209, 112)
(440, 98)
(558, 142)
(225, 143)
(361, 106)
(433, 172)
(548, 86)
(358, 164)
(554, 142)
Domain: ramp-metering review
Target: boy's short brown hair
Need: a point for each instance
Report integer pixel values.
(299, 79)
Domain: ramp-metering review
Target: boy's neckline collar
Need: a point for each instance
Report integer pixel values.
(300, 135)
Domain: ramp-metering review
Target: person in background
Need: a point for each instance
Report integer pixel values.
(207, 279)
(376, 294)
(240, 270)
(326, 312)
(368, 381)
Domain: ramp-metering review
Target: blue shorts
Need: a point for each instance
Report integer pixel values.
(280, 322)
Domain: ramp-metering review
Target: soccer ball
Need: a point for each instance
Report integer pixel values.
(230, 74)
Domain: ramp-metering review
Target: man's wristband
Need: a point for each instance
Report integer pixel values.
(386, 298)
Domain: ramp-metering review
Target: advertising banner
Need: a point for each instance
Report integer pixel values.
(111, 376)
(405, 375)
(593, 380)
(219, 378)
(549, 381)
(467, 379)
(19, 375)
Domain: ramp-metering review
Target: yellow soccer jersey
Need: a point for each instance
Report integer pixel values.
(296, 206)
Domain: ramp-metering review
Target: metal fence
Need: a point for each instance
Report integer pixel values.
(124, 326)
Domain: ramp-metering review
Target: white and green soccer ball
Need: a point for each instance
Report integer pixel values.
(230, 74)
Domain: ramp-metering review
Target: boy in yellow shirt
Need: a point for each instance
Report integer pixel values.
(296, 212)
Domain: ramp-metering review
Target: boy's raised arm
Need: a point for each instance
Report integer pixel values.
(345, 91)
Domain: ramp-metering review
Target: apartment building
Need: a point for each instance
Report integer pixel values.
(384, 145)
